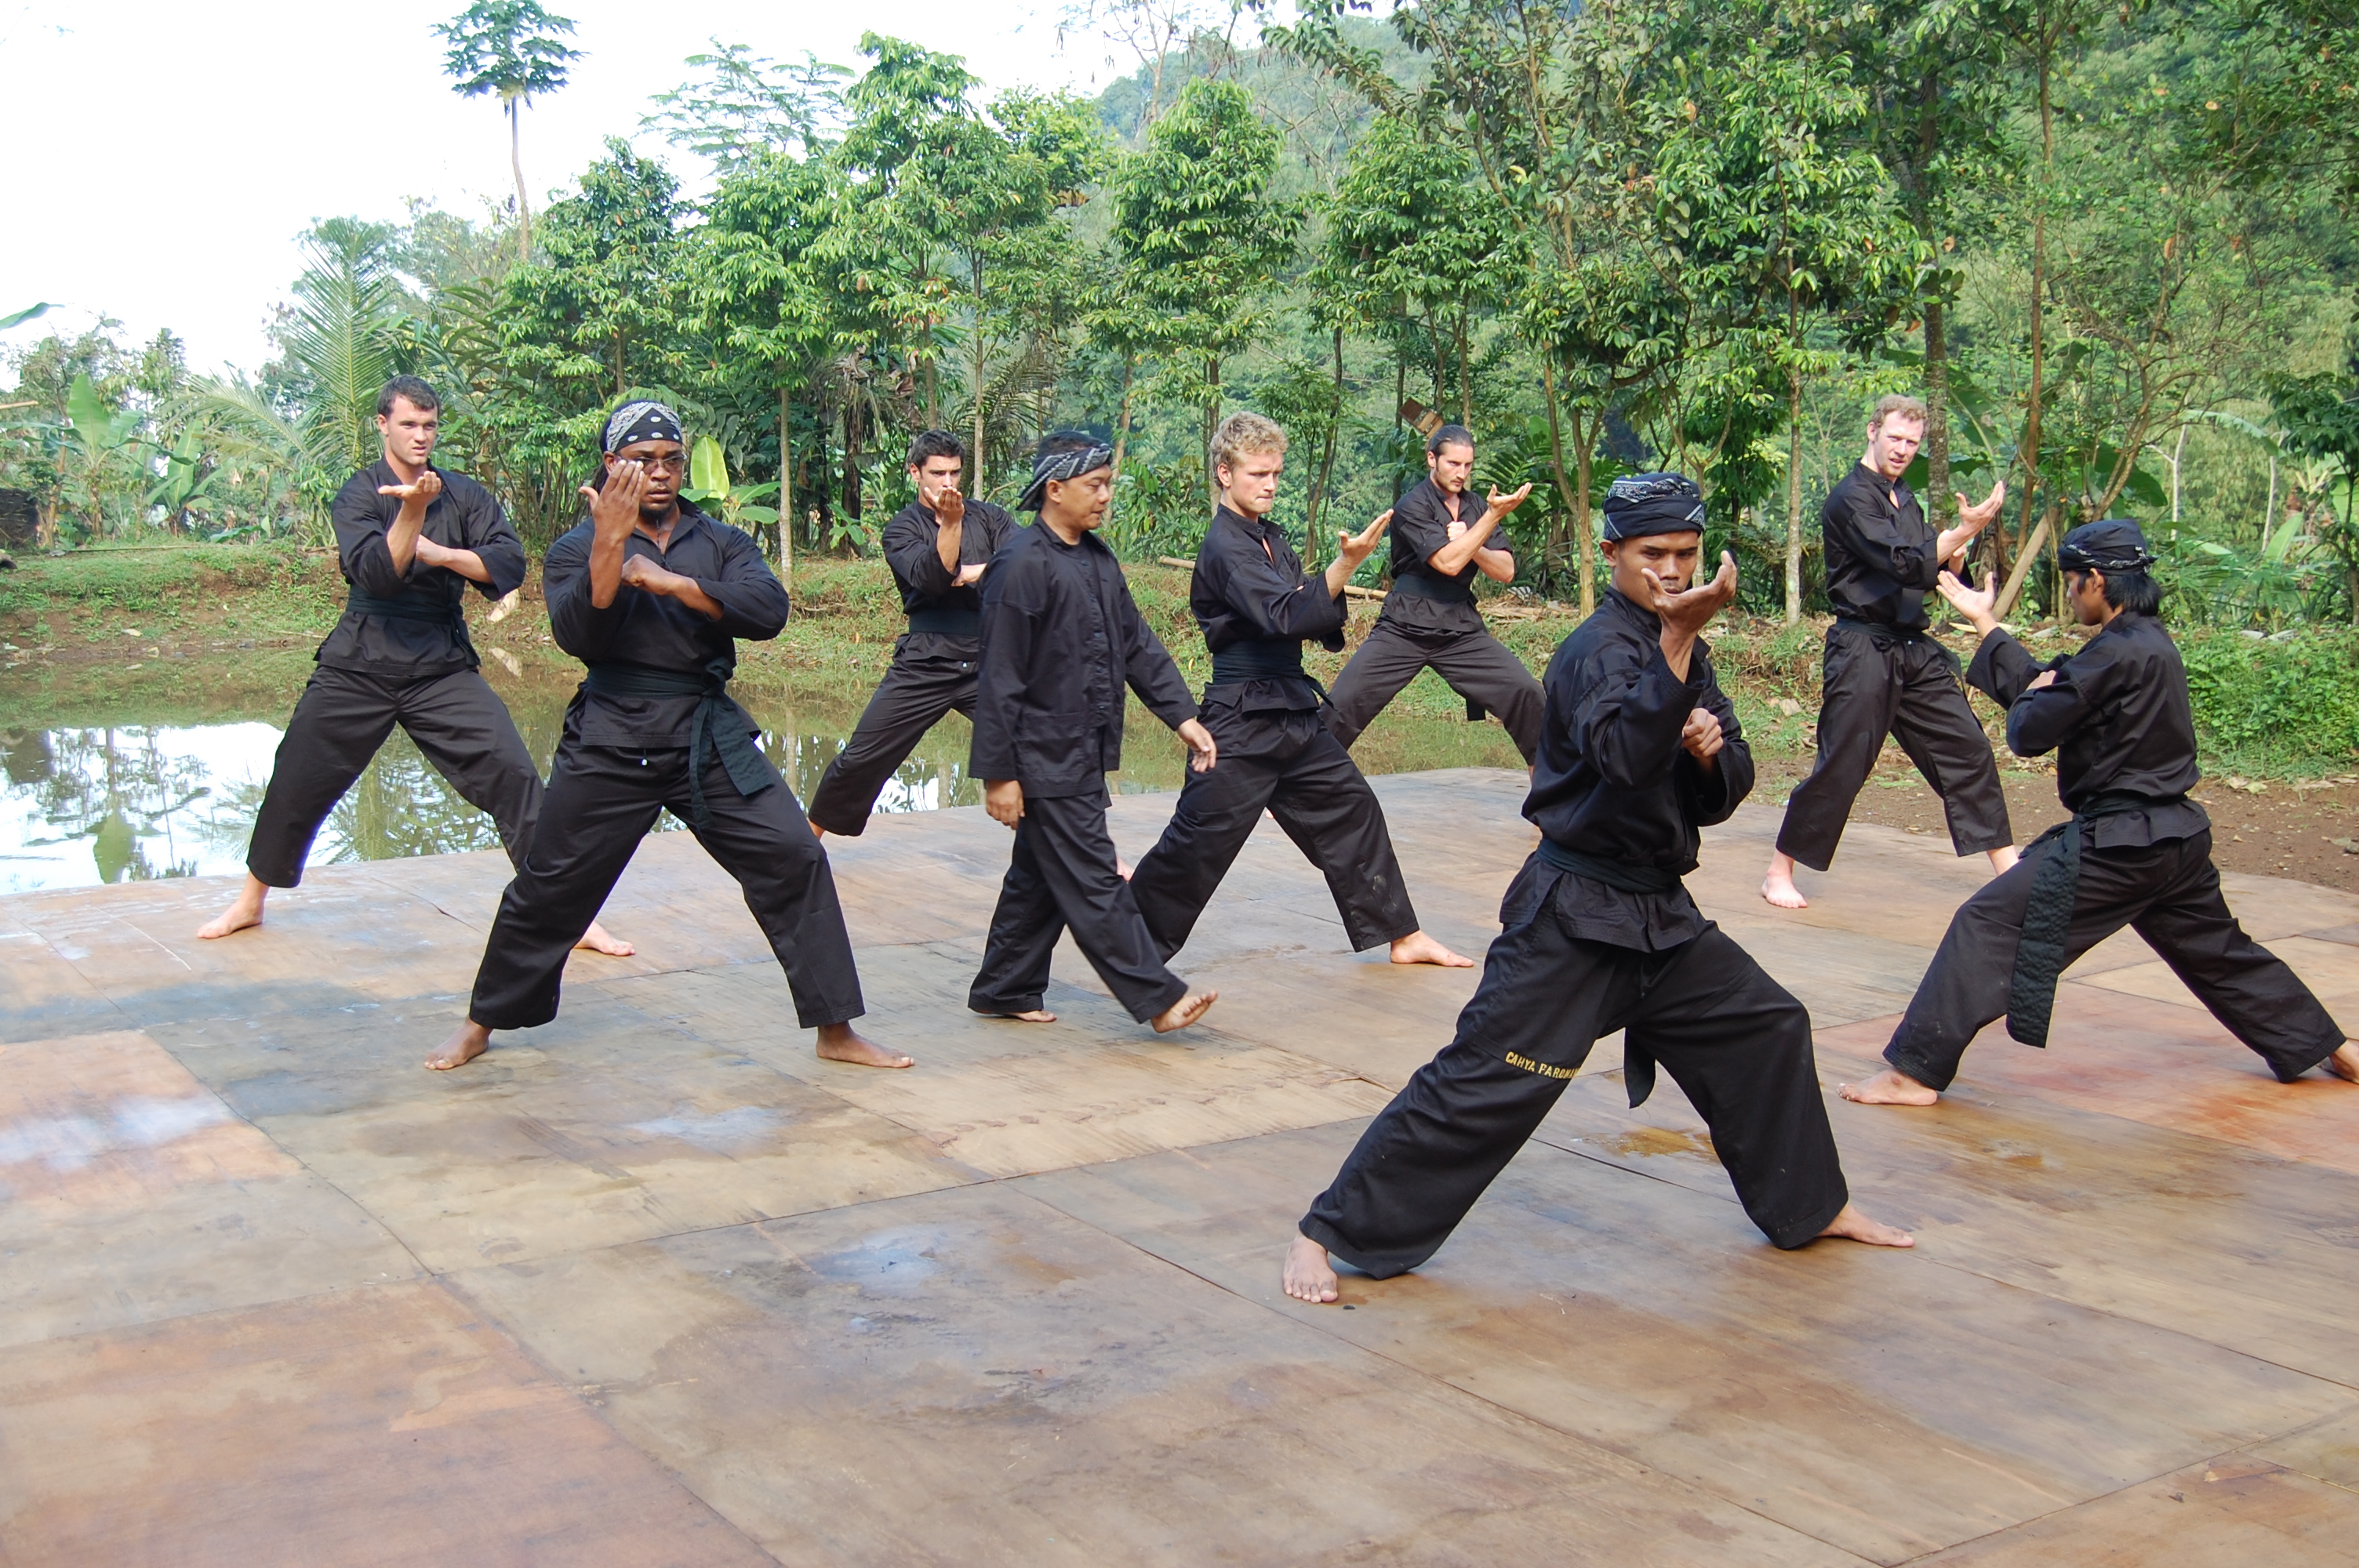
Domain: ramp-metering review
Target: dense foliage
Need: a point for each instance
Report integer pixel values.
(2112, 245)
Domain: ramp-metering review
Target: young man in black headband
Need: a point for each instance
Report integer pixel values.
(651, 594)
(1884, 675)
(1640, 750)
(2136, 852)
(1441, 541)
(1256, 607)
(1061, 640)
(938, 547)
(410, 539)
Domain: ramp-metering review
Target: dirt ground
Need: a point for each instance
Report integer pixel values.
(2304, 830)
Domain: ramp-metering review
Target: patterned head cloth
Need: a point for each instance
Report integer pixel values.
(640, 422)
(1061, 461)
(1642, 503)
(2116, 545)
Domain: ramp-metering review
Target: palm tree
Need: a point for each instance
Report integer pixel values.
(510, 48)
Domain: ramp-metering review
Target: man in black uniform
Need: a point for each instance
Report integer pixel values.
(651, 594)
(410, 537)
(1884, 675)
(1061, 640)
(937, 546)
(1440, 543)
(2136, 852)
(1256, 606)
(1640, 750)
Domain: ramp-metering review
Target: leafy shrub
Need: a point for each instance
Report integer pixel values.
(2293, 698)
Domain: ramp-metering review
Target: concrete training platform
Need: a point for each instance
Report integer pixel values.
(654, 1285)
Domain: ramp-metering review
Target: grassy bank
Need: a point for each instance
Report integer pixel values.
(200, 631)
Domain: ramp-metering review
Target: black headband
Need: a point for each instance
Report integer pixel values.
(1062, 466)
(2114, 545)
(1643, 503)
(640, 421)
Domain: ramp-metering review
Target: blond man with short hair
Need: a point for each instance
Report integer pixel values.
(1885, 674)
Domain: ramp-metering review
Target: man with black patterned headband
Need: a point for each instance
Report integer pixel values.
(651, 594)
(1061, 640)
(1640, 749)
(938, 547)
(1442, 541)
(1885, 674)
(410, 539)
(2135, 852)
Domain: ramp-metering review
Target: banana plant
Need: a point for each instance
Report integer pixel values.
(709, 487)
(185, 480)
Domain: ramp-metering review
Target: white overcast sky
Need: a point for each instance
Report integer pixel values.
(183, 147)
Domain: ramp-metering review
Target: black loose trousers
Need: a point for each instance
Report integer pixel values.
(2169, 893)
(1288, 765)
(602, 801)
(1477, 666)
(932, 675)
(457, 722)
(1879, 682)
(1063, 873)
(1734, 1040)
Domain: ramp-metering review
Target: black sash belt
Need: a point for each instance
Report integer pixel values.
(716, 727)
(1417, 585)
(1264, 658)
(1612, 873)
(949, 621)
(445, 612)
(2048, 917)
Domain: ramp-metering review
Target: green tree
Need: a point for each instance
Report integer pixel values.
(510, 48)
(602, 309)
(747, 107)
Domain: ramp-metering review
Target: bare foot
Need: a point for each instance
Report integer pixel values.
(467, 1041)
(1038, 1015)
(598, 939)
(1779, 887)
(1417, 948)
(1852, 1226)
(1890, 1087)
(841, 1042)
(245, 911)
(2003, 858)
(1184, 1012)
(1308, 1276)
(2344, 1063)
(1123, 868)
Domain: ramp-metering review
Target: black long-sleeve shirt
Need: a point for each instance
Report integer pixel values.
(1433, 600)
(465, 516)
(1062, 637)
(1251, 595)
(910, 544)
(1882, 555)
(1613, 781)
(642, 628)
(2117, 718)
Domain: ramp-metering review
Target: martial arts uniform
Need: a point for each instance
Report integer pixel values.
(1258, 606)
(1601, 935)
(2137, 852)
(401, 656)
(653, 729)
(1886, 675)
(1429, 620)
(933, 664)
(1060, 639)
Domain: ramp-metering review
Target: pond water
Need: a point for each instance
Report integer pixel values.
(117, 795)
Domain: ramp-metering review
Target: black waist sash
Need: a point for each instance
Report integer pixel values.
(1612, 873)
(1264, 658)
(1883, 633)
(948, 621)
(715, 727)
(2048, 917)
(447, 612)
(1420, 585)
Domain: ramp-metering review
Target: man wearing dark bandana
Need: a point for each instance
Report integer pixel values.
(938, 548)
(1256, 606)
(1640, 749)
(651, 594)
(2136, 851)
(1884, 675)
(410, 539)
(1062, 639)
(1442, 542)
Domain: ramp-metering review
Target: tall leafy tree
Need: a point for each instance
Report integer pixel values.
(511, 48)
(603, 309)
